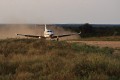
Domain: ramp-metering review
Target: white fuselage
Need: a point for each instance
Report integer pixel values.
(48, 33)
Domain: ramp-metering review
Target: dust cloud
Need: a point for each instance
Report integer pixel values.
(10, 30)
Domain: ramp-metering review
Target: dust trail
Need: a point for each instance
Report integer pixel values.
(10, 30)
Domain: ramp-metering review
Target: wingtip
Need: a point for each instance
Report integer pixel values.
(18, 34)
(79, 33)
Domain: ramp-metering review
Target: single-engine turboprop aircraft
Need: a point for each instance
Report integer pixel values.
(49, 34)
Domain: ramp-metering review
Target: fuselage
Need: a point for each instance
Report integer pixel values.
(48, 33)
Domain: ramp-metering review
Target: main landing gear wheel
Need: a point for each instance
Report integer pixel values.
(57, 38)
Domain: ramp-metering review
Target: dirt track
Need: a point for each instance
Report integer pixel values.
(112, 44)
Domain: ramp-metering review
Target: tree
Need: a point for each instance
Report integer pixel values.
(87, 30)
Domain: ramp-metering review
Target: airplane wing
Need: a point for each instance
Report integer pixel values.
(64, 35)
(33, 36)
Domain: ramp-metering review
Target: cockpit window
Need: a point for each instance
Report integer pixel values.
(49, 31)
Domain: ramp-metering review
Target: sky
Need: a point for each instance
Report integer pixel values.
(59, 11)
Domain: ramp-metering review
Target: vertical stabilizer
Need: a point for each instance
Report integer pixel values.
(45, 28)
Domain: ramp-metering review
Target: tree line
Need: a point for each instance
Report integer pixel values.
(91, 30)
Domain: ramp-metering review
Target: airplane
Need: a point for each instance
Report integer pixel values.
(49, 34)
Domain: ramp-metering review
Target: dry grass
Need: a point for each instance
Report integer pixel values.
(32, 59)
(111, 44)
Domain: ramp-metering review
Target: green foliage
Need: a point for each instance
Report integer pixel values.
(93, 30)
(34, 59)
(91, 49)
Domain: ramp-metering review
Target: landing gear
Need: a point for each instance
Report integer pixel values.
(57, 38)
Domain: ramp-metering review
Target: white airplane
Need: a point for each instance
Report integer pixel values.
(49, 34)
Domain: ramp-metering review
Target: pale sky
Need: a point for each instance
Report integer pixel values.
(59, 11)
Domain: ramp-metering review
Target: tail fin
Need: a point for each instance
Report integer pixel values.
(45, 28)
